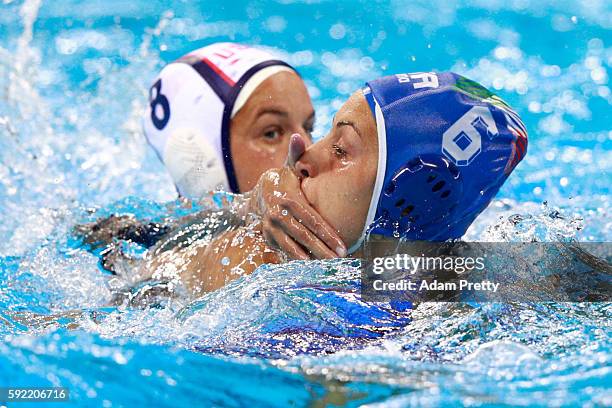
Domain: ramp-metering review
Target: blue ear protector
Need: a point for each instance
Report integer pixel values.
(425, 192)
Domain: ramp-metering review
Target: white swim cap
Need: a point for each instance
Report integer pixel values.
(191, 104)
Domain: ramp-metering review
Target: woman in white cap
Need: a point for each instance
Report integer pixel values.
(218, 118)
(221, 115)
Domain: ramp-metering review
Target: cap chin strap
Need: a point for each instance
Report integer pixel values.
(253, 82)
(380, 175)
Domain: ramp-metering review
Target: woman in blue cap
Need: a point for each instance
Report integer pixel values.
(414, 156)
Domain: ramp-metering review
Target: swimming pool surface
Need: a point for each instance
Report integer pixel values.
(73, 82)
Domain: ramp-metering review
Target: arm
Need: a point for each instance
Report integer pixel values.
(126, 227)
(104, 231)
(207, 265)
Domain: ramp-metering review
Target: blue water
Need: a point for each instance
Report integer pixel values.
(73, 80)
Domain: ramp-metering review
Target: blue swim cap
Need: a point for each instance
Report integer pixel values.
(446, 145)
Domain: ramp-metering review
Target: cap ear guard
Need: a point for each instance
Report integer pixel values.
(192, 163)
(419, 197)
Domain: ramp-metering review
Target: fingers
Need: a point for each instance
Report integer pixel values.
(278, 239)
(285, 227)
(311, 219)
(304, 237)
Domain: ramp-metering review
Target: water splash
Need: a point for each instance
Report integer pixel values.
(71, 149)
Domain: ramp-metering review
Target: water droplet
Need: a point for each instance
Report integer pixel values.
(337, 31)
(225, 261)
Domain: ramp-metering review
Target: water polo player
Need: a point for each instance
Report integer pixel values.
(218, 117)
(414, 156)
(221, 115)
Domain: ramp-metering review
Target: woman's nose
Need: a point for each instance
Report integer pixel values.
(303, 168)
(307, 166)
(313, 161)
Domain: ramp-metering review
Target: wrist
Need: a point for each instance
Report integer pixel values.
(243, 204)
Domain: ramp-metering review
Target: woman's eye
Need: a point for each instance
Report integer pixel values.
(272, 134)
(309, 128)
(339, 151)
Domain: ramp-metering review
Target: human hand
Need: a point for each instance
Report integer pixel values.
(289, 222)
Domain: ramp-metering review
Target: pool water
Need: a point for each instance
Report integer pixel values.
(73, 84)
